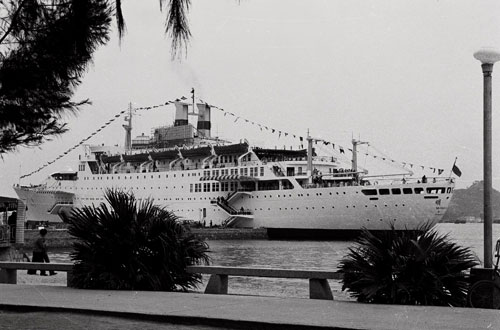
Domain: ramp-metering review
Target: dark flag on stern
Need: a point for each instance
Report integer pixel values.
(456, 170)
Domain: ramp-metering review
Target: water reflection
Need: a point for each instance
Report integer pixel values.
(278, 254)
(298, 255)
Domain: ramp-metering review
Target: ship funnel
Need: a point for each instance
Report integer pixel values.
(181, 114)
(204, 124)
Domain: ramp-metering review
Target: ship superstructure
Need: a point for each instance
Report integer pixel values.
(292, 193)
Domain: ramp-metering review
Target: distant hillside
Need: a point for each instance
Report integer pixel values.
(469, 203)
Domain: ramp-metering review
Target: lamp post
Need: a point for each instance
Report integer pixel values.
(487, 57)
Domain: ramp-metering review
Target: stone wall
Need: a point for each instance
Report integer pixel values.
(59, 238)
(230, 233)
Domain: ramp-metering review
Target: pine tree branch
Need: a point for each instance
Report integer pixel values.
(13, 22)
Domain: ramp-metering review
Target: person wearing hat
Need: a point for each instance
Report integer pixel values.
(40, 253)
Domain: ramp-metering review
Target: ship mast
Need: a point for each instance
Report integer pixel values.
(355, 157)
(309, 156)
(128, 129)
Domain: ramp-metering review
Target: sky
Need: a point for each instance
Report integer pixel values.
(399, 74)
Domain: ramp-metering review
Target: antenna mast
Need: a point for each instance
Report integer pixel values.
(309, 157)
(128, 129)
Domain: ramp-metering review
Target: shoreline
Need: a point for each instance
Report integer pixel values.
(60, 238)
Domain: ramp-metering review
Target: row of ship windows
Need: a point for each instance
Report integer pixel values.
(269, 209)
(103, 188)
(214, 187)
(250, 171)
(131, 177)
(214, 198)
(165, 199)
(406, 191)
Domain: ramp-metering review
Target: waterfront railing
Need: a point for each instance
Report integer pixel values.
(217, 284)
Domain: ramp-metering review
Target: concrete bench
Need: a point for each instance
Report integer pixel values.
(8, 269)
(318, 279)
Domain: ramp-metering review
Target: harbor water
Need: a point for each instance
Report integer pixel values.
(323, 255)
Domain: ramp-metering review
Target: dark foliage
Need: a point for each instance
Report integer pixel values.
(407, 267)
(177, 24)
(45, 54)
(133, 246)
(45, 49)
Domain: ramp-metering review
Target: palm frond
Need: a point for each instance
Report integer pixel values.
(126, 244)
(177, 26)
(407, 267)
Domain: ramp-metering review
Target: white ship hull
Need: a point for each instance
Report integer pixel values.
(343, 208)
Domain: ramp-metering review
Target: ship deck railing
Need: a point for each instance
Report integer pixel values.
(388, 180)
(330, 184)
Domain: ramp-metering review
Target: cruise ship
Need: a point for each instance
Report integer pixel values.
(292, 193)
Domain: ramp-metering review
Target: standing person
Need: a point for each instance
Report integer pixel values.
(12, 226)
(40, 253)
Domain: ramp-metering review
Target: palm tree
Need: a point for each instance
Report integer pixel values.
(132, 245)
(407, 267)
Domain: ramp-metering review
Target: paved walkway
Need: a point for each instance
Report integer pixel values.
(241, 311)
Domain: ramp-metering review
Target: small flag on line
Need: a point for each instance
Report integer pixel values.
(456, 170)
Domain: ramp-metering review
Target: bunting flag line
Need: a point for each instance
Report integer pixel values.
(340, 148)
(97, 131)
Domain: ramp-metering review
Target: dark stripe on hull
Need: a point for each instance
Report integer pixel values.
(316, 234)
